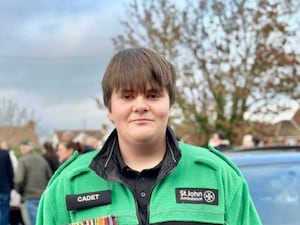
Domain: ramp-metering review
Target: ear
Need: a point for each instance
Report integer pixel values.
(110, 116)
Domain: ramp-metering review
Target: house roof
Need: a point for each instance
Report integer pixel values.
(15, 134)
(98, 134)
(287, 128)
(95, 133)
(296, 118)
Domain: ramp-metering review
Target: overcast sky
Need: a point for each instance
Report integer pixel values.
(53, 55)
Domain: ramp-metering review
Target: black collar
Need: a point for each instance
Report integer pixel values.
(107, 165)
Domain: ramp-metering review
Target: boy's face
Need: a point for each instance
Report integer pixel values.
(140, 118)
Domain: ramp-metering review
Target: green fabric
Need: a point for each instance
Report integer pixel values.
(197, 168)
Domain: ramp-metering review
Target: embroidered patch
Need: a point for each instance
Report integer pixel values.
(197, 196)
(88, 200)
(107, 220)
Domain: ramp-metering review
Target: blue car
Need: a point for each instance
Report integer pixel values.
(273, 176)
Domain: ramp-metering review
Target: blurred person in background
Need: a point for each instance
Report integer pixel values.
(6, 185)
(249, 141)
(33, 174)
(50, 155)
(14, 160)
(219, 141)
(90, 143)
(15, 198)
(65, 150)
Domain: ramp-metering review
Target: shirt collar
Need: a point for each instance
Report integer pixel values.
(124, 167)
(107, 165)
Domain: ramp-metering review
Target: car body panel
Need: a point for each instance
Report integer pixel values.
(274, 182)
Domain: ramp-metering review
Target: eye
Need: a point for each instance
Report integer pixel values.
(128, 95)
(153, 95)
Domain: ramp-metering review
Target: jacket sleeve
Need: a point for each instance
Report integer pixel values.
(10, 172)
(20, 178)
(241, 209)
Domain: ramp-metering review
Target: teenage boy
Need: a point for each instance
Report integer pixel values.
(142, 174)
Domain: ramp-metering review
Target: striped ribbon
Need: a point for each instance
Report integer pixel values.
(107, 220)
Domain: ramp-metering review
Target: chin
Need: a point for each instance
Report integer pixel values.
(144, 137)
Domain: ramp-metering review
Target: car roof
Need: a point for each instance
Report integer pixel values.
(265, 155)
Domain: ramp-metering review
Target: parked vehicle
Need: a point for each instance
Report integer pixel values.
(273, 175)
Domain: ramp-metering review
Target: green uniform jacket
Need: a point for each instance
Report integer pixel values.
(204, 188)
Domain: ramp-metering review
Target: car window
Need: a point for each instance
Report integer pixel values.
(275, 189)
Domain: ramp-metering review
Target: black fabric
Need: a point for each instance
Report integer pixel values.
(140, 183)
(88, 200)
(109, 165)
(106, 166)
(6, 172)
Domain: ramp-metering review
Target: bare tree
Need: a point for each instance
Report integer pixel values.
(13, 114)
(237, 60)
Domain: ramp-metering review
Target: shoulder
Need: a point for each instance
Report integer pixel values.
(209, 156)
(4, 153)
(77, 164)
(4, 156)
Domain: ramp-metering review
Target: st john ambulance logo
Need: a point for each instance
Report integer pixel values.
(197, 196)
(209, 196)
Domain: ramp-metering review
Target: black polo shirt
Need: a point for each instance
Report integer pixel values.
(141, 184)
(109, 165)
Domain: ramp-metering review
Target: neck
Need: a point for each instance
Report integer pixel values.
(140, 157)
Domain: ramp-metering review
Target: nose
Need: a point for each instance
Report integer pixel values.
(140, 105)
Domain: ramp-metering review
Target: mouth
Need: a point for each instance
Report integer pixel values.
(141, 120)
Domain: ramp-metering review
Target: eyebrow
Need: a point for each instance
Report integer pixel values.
(150, 89)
